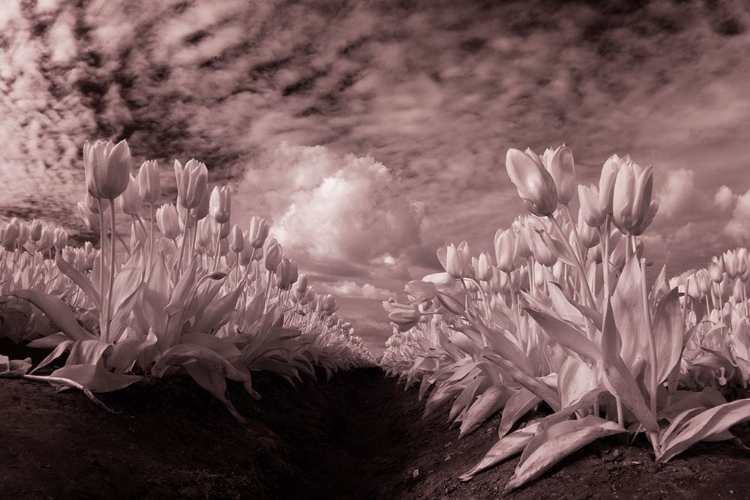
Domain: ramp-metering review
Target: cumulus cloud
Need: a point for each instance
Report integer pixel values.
(724, 198)
(738, 226)
(678, 194)
(331, 208)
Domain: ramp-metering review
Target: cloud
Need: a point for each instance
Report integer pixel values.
(738, 226)
(351, 289)
(678, 194)
(329, 208)
(724, 198)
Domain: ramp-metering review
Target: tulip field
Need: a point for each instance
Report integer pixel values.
(554, 342)
(193, 294)
(563, 318)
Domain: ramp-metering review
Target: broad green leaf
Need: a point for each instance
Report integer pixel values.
(669, 331)
(705, 424)
(58, 351)
(556, 443)
(57, 311)
(576, 379)
(86, 352)
(506, 447)
(531, 383)
(518, 405)
(566, 335)
(486, 405)
(218, 312)
(627, 305)
(619, 377)
(80, 279)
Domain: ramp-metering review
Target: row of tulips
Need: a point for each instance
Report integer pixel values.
(562, 315)
(189, 293)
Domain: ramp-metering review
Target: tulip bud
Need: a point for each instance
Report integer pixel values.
(236, 240)
(405, 317)
(703, 280)
(693, 288)
(302, 284)
(285, 274)
(483, 267)
(505, 250)
(220, 207)
(90, 219)
(167, 221)
(730, 263)
(149, 187)
(36, 230)
(632, 197)
(607, 181)
(47, 240)
(523, 250)
(92, 204)
(61, 238)
(421, 291)
(130, 201)
(737, 294)
(107, 168)
(742, 266)
(716, 269)
(542, 252)
(559, 163)
(457, 261)
(533, 182)
(272, 254)
(192, 182)
(590, 209)
(258, 231)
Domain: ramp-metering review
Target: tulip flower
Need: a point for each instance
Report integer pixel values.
(737, 293)
(236, 239)
(591, 208)
(272, 253)
(192, 182)
(36, 230)
(742, 265)
(60, 238)
(220, 206)
(301, 284)
(587, 234)
(542, 253)
(167, 220)
(258, 231)
(534, 184)
(716, 269)
(483, 267)
(559, 163)
(607, 181)
(286, 274)
(88, 217)
(130, 201)
(523, 251)
(149, 187)
(631, 203)
(730, 263)
(405, 317)
(107, 168)
(456, 260)
(505, 250)
(421, 291)
(47, 241)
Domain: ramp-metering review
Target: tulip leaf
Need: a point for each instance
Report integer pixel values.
(627, 305)
(486, 405)
(80, 279)
(86, 352)
(13, 367)
(219, 312)
(701, 426)
(506, 447)
(669, 331)
(566, 335)
(556, 442)
(531, 383)
(57, 311)
(518, 405)
(575, 380)
(214, 382)
(96, 378)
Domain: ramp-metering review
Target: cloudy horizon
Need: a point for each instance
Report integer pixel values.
(371, 133)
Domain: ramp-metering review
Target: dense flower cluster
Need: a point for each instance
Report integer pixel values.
(563, 315)
(195, 294)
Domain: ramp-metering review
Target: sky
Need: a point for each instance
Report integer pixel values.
(372, 132)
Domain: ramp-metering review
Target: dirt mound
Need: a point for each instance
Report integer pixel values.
(358, 435)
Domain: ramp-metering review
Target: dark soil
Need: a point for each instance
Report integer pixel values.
(358, 435)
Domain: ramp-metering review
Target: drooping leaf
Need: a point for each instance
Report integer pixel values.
(214, 382)
(518, 405)
(96, 378)
(57, 311)
(10, 368)
(557, 442)
(486, 405)
(80, 279)
(701, 426)
(181, 353)
(58, 351)
(86, 352)
(507, 447)
(218, 312)
(531, 383)
(566, 335)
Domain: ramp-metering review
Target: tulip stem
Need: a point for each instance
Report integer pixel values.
(216, 248)
(111, 271)
(102, 313)
(182, 244)
(151, 240)
(579, 265)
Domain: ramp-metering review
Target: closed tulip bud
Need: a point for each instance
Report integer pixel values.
(559, 163)
(130, 201)
(184, 218)
(457, 260)
(405, 317)
(588, 235)
(224, 230)
(703, 280)
(272, 254)
(92, 204)
(539, 275)
(231, 258)
(236, 239)
(483, 267)
(221, 204)
(742, 255)
(716, 269)
(328, 304)
(737, 292)
(258, 231)
(149, 186)
(223, 247)
(505, 250)
(590, 209)
(60, 239)
(10, 236)
(421, 291)
(607, 181)
(541, 252)
(107, 168)
(302, 284)
(499, 281)
(632, 197)
(48, 239)
(285, 274)
(205, 234)
(533, 182)
(201, 211)
(693, 288)
(523, 250)
(192, 182)
(557, 270)
(36, 230)
(725, 287)
(730, 263)
(90, 219)
(167, 221)
(24, 230)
